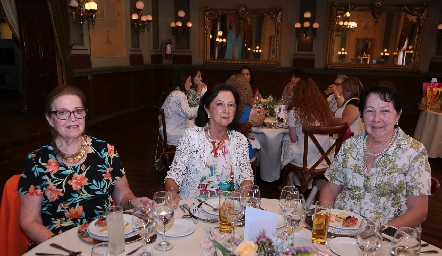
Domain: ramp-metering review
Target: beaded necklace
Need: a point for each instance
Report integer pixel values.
(72, 158)
(218, 147)
(383, 151)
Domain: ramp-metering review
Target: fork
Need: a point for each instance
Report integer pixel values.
(186, 207)
(204, 202)
(71, 253)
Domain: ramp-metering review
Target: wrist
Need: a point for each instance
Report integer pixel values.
(172, 190)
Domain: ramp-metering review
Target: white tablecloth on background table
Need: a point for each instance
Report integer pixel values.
(187, 245)
(429, 132)
(270, 152)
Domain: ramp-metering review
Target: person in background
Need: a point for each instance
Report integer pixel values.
(246, 110)
(288, 92)
(72, 180)
(308, 107)
(349, 112)
(212, 156)
(381, 174)
(335, 99)
(176, 106)
(197, 90)
(245, 71)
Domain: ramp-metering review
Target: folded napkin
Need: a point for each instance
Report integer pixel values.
(258, 220)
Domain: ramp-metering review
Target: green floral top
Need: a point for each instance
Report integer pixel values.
(193, 98)
(72, 195)
(382, 194)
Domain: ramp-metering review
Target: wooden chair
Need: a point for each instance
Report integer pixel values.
(167, 151)
(245, 128)
(307, 174)
(435, 185)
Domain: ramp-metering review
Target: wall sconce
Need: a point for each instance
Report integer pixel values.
(141, 22)
(342, 52)
(177, 26)
(305, 30)
(83, 11)
(344, 24)
(439, 30)
(385, 53)
(410, 50)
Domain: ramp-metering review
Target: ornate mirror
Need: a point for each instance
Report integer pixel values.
(377, 36)
(242, 36)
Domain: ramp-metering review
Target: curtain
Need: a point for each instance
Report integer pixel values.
(11, 16)
(60, 23)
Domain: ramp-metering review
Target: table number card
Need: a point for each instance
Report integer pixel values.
(258, 220)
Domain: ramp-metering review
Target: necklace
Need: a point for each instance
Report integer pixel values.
(383, 151)
(72, 158)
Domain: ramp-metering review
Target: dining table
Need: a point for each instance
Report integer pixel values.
(429, 132)
(193, 243)
(270, 155)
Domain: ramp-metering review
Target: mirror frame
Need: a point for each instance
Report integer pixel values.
(212, 14)
(376, 10)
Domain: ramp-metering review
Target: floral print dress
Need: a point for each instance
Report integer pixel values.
(72, 195)
(380, 194)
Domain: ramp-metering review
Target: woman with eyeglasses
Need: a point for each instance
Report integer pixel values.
(72, 180)
(336, 99)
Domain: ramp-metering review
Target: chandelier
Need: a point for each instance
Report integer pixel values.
(82, 10)
(344, 24)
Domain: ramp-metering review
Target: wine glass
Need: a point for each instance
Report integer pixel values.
(144, 225)
(368, 237)
(251, 196)
(294, 205)
(277, 110)
(282, 198)
(234, 211)
(406, 241)
(163, 214)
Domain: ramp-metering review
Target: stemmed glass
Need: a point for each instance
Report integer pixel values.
(234, 211)
(294, 205)
(368, 237)
(251, 196)
(406, 241)
(163, 214)
(282, 202)
(144, 225)
(277, 110)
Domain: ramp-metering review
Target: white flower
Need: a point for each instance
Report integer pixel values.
(247, 248)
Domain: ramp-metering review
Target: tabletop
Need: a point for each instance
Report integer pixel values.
(429, 132)
(191, 244)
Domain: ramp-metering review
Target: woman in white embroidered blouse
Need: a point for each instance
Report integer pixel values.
(176, 106)
(212, 156)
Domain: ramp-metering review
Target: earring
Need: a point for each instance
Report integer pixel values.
(397, 124)
(208, 115)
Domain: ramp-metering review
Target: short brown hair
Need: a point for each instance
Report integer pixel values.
(353, 85)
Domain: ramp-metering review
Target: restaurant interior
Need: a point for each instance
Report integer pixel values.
(121, 54)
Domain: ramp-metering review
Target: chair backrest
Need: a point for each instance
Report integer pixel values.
(435, 185)
(13, 241)
(166, 147)
(244, 128)
(310, 131)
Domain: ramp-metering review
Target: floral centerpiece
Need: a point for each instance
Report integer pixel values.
(264, 245)
(269, 105)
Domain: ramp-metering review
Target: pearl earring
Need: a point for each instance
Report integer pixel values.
(208, 115)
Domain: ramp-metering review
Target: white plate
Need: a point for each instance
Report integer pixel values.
(95, 230)
(213, 202)
(199, 213)
(181, 227)
(338, 225)
(283, 126)
(344, 246)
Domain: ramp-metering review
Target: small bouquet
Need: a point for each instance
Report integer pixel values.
(269, 105)
(266, 246)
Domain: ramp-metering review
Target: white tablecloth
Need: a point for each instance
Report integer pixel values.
(188, 245)
(429, 132)
(270, 152)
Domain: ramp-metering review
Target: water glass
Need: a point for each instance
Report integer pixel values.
(368, 237)
(234, 211)
(225, 226)
(287, 190)
(294, 213)
(406, 242)
(251, 196)
(115, 227)
(163, 214)
(103, 249)
(321, 221)
(143, 225)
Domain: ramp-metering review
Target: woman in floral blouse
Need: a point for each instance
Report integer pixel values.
(211, 156)
(198, 88)
(382, 174)
(73, 180)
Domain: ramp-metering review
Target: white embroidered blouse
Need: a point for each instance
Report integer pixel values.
(190, 162)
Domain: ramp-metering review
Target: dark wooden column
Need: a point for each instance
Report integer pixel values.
(38, 52)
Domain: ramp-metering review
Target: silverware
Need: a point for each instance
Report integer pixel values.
(194, 218)
(134, 251)
(151, 239)
(71, 253)
(425, 244)
(50, 254)
(430, 252)
(204, 202)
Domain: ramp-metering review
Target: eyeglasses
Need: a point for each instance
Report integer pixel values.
(337, 84)
(64, 114)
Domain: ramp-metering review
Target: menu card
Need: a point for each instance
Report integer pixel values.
(259, 220)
